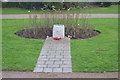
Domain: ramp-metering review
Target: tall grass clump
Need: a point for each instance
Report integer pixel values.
(71, 21)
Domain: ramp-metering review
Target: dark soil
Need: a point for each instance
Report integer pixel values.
(43, 33)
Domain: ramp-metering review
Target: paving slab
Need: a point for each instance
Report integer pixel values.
(16, 74)
(55, 56)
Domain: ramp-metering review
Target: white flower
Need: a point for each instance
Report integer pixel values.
(78, 24)
(28, 11)
(69, 36)
(53, 6)
(69, 9)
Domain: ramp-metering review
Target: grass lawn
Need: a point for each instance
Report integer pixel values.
(106, 10)
(97, 54)
(18, 53)
(100, 53)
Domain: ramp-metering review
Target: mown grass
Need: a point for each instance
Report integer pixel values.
(18, 53)
(96, 54)
(1, 44)
(100, 53)
(104, 10)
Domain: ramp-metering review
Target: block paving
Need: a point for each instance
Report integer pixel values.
(55, 56)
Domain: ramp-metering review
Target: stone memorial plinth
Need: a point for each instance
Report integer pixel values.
(59, 31)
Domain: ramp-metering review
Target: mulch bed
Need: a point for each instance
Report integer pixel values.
(43, 33)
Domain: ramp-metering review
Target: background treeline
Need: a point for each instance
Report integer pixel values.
(54, 5)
